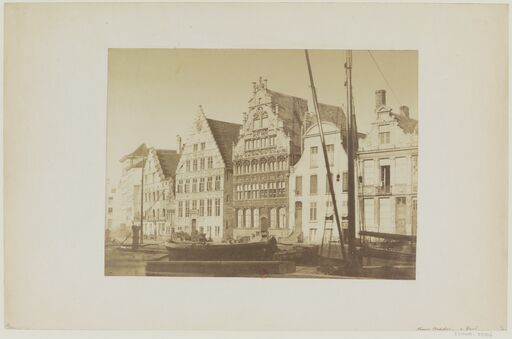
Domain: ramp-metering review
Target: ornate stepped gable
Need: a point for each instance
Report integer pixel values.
(272, 114)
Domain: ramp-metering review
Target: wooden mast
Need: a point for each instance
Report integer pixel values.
(351, 149)
(326, 159)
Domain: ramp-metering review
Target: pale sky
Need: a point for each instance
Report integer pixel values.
(153, 94)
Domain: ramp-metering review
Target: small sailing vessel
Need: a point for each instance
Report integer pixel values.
(204, 251)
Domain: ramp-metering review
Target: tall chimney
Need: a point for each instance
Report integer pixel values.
(178, 141)
(404, 110)
(380, 98)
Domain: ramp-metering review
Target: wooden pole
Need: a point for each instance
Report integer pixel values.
(142, 201)
(326, 159)
(351, 156)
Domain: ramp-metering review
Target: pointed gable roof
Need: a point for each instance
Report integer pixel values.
(168, 160)
(140, 151)
(225, 134)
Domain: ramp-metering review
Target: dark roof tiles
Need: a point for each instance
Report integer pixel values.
(168, 161)
(225, 135)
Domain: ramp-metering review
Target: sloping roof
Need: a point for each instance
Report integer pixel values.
(168, 161)
(140, 151)
(290, 107)
(333, 114)
(408, 125)
(225, 134)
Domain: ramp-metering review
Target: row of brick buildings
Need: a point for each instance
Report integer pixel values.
(268, 174)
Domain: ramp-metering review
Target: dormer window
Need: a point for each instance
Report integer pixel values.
(384, 135)
(384, 138)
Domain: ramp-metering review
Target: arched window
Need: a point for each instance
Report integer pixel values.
(248, 217)
(262, 165)
(273, 218)
(257, 122)
(240, 223)
(256, 221)
(264, 120)
(282, 218)
(271, 163)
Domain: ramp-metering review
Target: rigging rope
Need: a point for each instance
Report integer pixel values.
(384, 77)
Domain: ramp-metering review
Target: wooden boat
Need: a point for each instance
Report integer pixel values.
(204, 251)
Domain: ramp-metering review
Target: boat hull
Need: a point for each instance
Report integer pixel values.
(213, 252)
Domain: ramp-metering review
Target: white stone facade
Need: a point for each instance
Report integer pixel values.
(311, 208)
(388, 172)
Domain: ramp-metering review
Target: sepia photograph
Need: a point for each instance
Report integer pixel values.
(262, 163)
(214, 168)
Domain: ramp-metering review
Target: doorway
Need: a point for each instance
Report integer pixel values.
(400, 211)
(298, 217)
(194, 226)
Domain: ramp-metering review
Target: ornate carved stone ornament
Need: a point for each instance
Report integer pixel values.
(199, 124)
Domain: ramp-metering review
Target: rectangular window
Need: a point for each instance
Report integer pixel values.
(402, 171)
(187, 208)
(368, 173)
(194, 185)
(209, 184)
(345, 182)
(187, 186)
(313, 156)
(384, 138)
(330, 154)
(385, 225)
(202, 162)
(217, 207)
(210, 162)
(217, 183)
(201, 208)
(195, 147)
(180, 186)
(203, 146)
(209, 208)
(298, 185)
(369, 214)
(327, 189)
(312, 211)
(194, 167)
(187, 163)
(385, 175)
(201, 184)
(313, 189)
(194, 205)
(180, 208)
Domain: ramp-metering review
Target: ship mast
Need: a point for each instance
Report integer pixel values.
(351, 149)
(326, 159)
